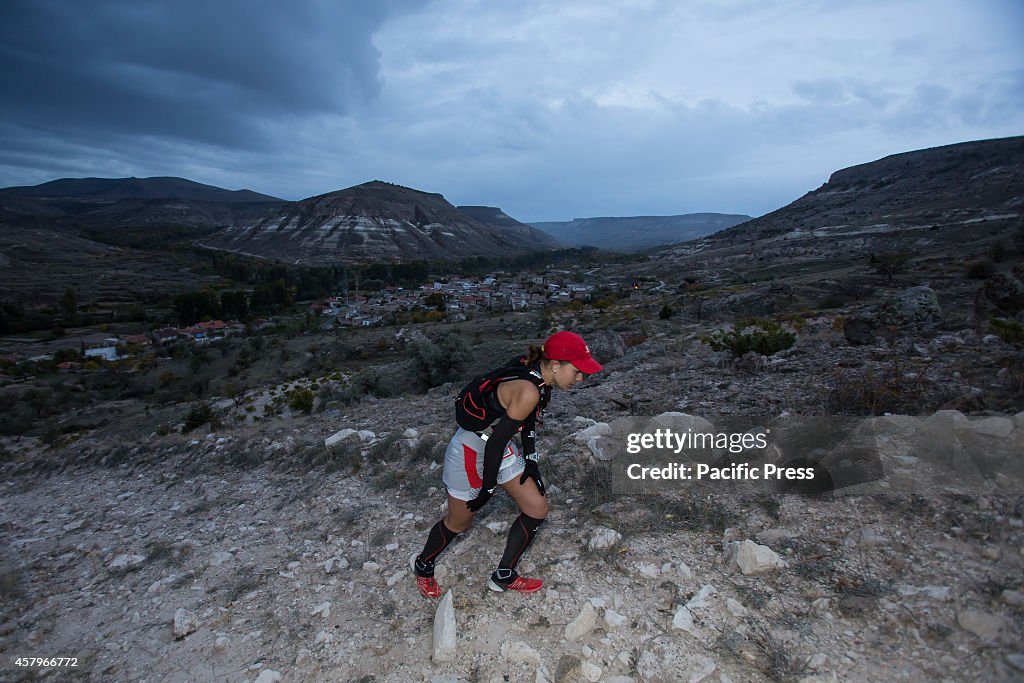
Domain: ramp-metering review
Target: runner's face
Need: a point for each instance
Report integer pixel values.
(566, 374)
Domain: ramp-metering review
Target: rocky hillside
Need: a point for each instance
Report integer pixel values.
(495, 217)
(115, 202)
(638, 233)
(962, 185)
(373, 221)
(279, 552)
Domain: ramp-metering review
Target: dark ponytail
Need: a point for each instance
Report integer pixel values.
(534, 355)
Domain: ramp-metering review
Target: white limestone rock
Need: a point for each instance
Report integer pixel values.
(591, 672)
(598, 446)
(604, 538)
(158, 587)
(700, 599)
(185, 623)
(220, 558)
(583, 624)
(735, 608)
(335, 564)
(338, 437)
(988, 627)
(594, 431)
(700, 669)
(126, 561)
(752, 558)
(683, 621)
(651, 571)
(613, 619)
(520, 653)
(445, 630)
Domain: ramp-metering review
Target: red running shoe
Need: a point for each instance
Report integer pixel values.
(428, 585)
(513, 582)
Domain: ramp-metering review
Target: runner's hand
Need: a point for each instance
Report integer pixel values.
(480, 500)
(532, 471)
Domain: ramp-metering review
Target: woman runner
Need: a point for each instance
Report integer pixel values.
(482, 455)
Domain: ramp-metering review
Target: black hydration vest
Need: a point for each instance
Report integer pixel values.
(477, 406)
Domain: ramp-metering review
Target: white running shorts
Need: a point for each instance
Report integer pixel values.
(464, 464)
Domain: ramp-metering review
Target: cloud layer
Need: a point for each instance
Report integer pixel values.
(550, 110)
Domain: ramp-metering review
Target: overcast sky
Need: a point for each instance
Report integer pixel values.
(548, 109)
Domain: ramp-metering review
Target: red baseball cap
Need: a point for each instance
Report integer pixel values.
(571, 347)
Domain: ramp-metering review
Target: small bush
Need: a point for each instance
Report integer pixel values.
(767, 337)
(436, 362)
(301, 400)
(427, 449)
(197, 417)
(981, 270)
(666, 312)
(1010, 331)
(344, 456)
(387, 449)
(873, 391)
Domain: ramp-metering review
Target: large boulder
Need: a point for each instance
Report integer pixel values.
(909, 312)
(605, 345)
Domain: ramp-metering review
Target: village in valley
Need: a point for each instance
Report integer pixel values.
(451, 298)
(454, 298)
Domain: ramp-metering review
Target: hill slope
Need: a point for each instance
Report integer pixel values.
(969, 181)
(372, 221)
(495, 217)
(114, 189)
(636, 233)
(115, 202)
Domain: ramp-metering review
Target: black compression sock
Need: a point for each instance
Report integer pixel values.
(440, 538)
(524, 528)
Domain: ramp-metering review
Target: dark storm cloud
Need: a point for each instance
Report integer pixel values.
(551, 110)
(208, 72)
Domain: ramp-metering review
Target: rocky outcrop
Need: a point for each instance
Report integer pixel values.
(375, 221)
(910, 312)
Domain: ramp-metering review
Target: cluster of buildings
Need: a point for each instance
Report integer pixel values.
(102, 347)
(457, 296)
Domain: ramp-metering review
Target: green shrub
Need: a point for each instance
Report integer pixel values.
(301, 400)
(197, 417)
(666, 312)
(435, 362)
(1010, 331)
(767, 337)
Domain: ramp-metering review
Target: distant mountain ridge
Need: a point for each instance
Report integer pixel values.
(637, 233)
(110, 203)
(372, 221)
(115, 189)
(493, 216)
